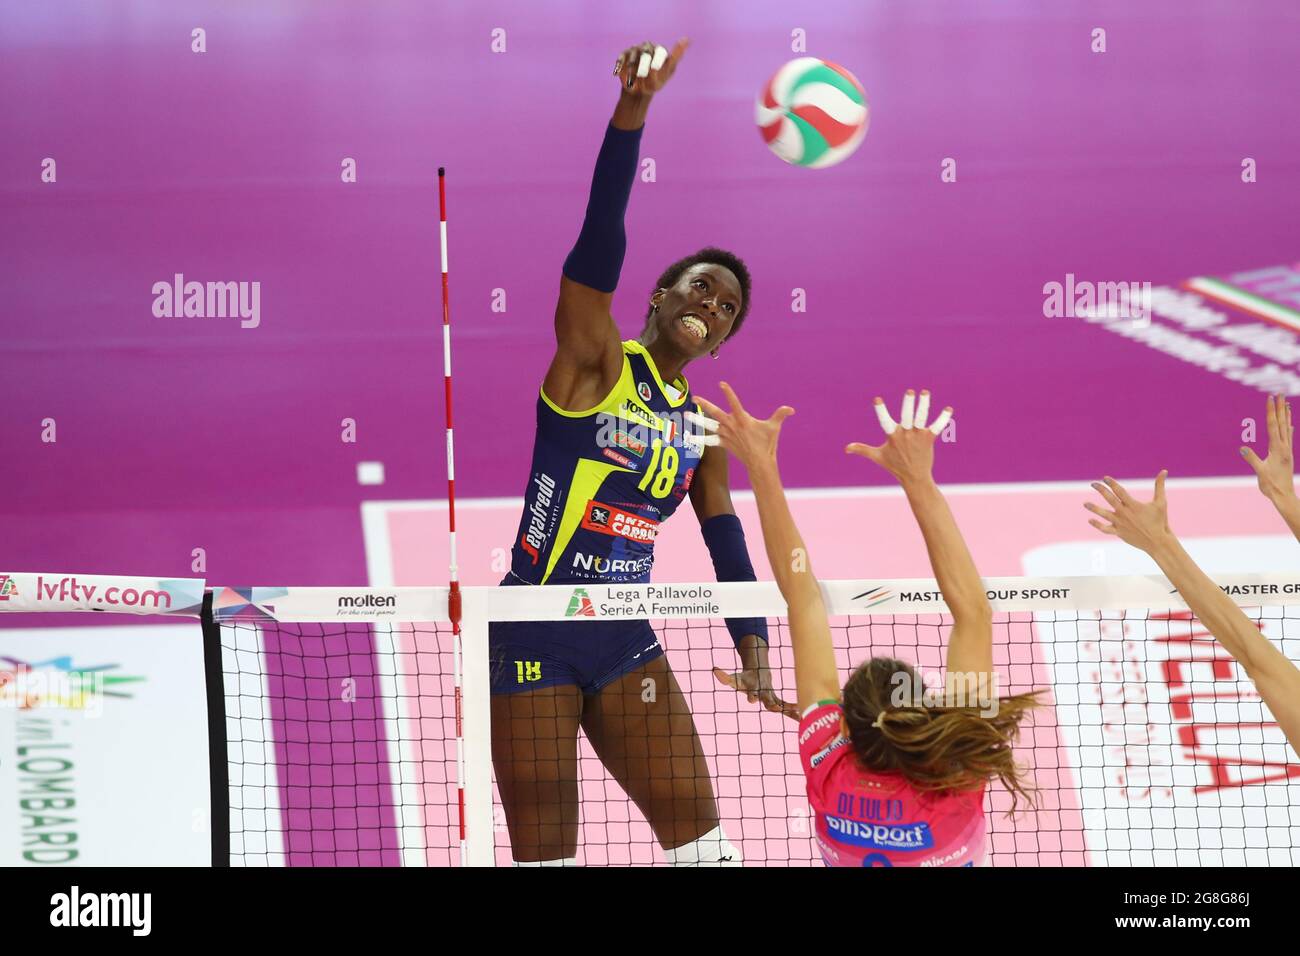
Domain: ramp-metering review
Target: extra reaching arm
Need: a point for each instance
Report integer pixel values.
(754, 443)
(1145, 525)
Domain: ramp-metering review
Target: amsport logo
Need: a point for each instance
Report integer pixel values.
(906, 837)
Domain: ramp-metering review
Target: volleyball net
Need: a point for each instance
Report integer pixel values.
(356, 732)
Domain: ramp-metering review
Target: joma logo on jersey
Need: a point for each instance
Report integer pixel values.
(534, 536)
(603, 565)
(641, 414)
(528, 671)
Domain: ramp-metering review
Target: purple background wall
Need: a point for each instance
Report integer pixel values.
(182, 433)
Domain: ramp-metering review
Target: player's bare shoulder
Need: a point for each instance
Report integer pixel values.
(588, 352)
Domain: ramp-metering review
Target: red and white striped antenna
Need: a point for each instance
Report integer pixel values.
(453, 594)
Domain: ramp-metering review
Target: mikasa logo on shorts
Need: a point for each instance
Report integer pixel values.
(909, 836)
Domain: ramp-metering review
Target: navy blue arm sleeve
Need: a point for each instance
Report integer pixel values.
(726, 540)
(597, 257)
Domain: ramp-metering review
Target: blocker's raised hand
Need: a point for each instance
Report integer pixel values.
(1276, 471)
(751, 440)
(642, 70)
(908, 451)
(1143, 524)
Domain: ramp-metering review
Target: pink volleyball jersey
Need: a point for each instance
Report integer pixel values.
(879, 819)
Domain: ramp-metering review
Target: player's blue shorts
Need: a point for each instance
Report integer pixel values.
(530, 655)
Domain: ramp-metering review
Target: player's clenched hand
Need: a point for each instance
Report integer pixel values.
(643, 69)
(751, 440)
(908, 451)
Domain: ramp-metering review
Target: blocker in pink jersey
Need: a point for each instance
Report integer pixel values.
(895, 778)
(879, 819)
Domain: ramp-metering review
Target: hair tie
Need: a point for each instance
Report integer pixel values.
(879, 722)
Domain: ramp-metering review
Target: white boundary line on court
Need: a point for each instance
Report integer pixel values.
(378, 545)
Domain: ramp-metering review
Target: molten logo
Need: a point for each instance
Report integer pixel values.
(367, 600)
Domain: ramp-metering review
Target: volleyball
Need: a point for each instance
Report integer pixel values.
(812, 112)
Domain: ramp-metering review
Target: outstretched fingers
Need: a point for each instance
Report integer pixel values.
(887, 423)
(780, 415)
(908, 409)
(1111, 498)
(732, 400)
(1099, 511)
(1160, 486)
(705, 434)
(922, 409)
(1256, 463)
(942, 421)
(1120, 491)
(713, 411)
(870, 452)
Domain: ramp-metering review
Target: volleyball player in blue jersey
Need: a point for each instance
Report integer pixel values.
(611, 461)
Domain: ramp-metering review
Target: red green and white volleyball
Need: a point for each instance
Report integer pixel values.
(812, 112)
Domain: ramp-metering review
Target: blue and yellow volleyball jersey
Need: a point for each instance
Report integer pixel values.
(603, 479)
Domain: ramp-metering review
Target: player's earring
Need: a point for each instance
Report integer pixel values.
(714, 353)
